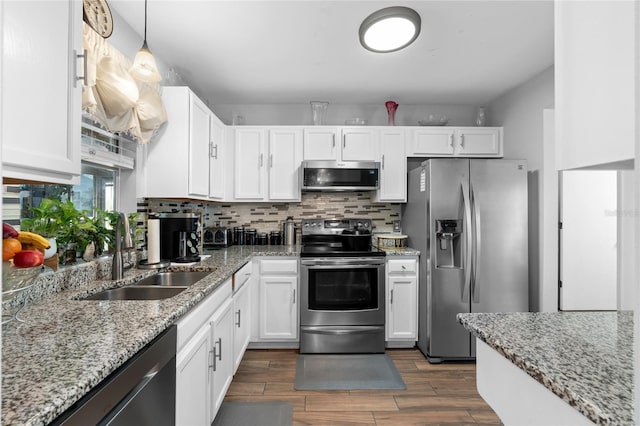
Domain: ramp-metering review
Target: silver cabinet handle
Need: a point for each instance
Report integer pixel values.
(213, 150)
(333, 140)
(261, 158)
(344, 141)
(391, 301)
(85, 67)
(451, 140)
(404, 268)
(212, 359)
(462, 141)
(271, 160)
(382, 165)
(217, 353)
(239, 313)
(294, 296)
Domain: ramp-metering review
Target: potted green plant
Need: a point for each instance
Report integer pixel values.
(45, 220)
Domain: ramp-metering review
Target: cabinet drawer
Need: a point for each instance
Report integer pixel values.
(280, 266)
(191, 323)
(242, 276)
(401, 266)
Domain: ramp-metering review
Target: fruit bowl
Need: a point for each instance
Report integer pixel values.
(15, 280)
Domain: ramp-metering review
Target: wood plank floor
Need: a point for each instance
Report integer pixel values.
(435, 394)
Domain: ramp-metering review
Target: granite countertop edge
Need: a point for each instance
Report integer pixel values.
(583, 405)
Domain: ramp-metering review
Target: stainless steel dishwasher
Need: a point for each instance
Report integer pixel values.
(140, 392)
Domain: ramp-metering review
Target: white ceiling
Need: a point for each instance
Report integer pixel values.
(256, 52)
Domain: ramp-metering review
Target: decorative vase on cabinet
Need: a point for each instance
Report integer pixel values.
(391, 110)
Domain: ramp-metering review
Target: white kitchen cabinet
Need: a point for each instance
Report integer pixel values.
(41, 94)
(277, 302)
(595, 73)
(402, 302)
(217, 160)
(320, 143)
(340, 144)
(455, 142)
(285, 157)
(250, 167)
(242, 313)
(393, 166)
(222, 354)
(177, 163)
(204, 360)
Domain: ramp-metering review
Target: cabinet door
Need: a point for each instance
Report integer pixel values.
(278, 308)
(193, 380)
(359, 144)
(431, 142)
(223, 361)
(320, 144)
(199, 131)
(481, 142)
(41, 97)
(217, 160)
(393, 166)
(242, 323)
(250, 164)
(285, 156)
(402, 308)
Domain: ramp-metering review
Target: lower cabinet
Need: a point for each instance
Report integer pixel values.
(241, 321)
(205, 361)
(277, 302)
(402, 302)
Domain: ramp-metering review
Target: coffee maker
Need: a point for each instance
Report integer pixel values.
(180, 239)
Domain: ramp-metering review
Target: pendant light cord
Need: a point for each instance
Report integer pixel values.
(145, 21)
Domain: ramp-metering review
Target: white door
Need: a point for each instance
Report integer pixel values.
(431, 142)
(359, 144)
(403, 315)
(588, 239)
(393, 166)
(478, 141)
(285, 156)
(250, 164)
(216, 160)
(242, 323)
(193, 380)
(40, 94)
(320, 144)
(223, 361)
(278, 308)
(199, 131)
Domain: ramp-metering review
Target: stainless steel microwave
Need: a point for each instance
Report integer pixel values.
(340, 175)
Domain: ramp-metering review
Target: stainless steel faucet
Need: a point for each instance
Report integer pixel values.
(117, 266)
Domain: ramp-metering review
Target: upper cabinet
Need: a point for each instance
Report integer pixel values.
(595, 50)
(186, 160)
(41, 96)
(393, 166)
(455, 141)
(340, 144)
(267, 163)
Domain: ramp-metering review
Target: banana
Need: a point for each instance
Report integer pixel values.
(33, 239)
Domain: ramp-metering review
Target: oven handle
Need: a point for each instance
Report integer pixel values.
(342, 330)
(332, 262)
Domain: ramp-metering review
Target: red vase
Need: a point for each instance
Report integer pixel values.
(391, 110)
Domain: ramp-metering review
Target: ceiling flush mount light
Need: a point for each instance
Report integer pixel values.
(144, 65)
(390, 29)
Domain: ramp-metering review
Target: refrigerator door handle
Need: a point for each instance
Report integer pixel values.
(467, 232)
(475, 208)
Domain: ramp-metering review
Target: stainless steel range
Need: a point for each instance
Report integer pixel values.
(342, 288)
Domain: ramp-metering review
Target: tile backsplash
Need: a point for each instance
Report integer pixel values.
(265, 217)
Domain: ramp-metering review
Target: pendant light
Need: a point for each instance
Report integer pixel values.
(144, 65)
(390, 29)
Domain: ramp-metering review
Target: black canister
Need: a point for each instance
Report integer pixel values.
(238, 235)
(275, 238)
(262, 239)
(250, 237)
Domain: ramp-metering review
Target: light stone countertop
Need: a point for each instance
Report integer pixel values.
(585, 358)
(67, 346)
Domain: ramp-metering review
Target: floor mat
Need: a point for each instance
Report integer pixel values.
(347, 372)
(254, 413)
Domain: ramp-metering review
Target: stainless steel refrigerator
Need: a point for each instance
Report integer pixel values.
(468, 218)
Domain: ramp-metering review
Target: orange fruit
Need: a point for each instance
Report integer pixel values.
(10, 247)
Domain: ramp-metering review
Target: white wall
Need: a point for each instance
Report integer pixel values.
(520, 112)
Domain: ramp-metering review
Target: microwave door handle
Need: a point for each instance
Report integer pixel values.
(468, 243)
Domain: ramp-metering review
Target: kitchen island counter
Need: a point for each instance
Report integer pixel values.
(584, 358)
(66, 346)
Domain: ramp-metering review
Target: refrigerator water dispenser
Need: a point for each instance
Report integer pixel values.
(448, 233)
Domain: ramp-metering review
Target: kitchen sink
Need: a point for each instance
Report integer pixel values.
(137, 292)
(177, 278)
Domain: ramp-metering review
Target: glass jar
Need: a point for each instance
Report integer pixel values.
(319, 112)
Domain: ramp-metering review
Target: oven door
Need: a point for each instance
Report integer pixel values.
(342, 291)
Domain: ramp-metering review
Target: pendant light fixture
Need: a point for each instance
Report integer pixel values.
(144, 65)
(390, 29)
